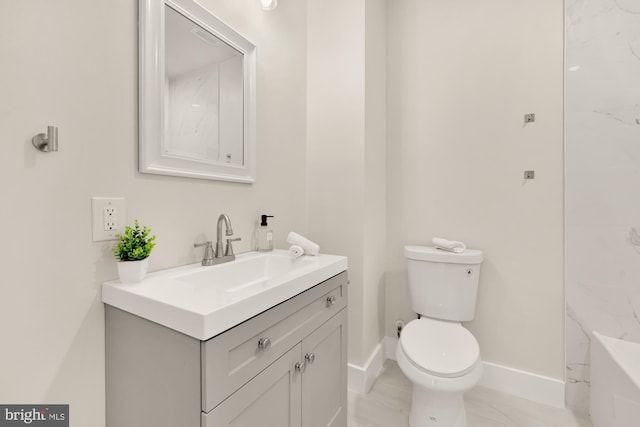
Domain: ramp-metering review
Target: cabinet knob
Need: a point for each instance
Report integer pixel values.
(310, 358)
(264, 343)
(300, 367)
(331, 300)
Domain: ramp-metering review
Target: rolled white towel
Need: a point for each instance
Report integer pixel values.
(309, 247)
(448, 245)
(296, 251)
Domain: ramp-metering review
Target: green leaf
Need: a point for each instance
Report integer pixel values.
(134, 244)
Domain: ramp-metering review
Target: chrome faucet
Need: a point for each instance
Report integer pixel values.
(228, 231)
(220, 254)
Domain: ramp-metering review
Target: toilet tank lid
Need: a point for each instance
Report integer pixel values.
(428, 253)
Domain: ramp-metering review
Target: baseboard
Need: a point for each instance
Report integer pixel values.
(538, 388)
(361, 378)
(527, 385)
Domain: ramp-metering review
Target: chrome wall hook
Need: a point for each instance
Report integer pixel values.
(46, 142)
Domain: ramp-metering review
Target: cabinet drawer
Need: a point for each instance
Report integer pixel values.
(231, 359)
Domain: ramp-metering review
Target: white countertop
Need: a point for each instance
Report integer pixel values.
(204, 301)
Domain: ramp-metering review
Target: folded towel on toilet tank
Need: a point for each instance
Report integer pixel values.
(448, 245)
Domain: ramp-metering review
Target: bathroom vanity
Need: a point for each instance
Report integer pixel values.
(284, 364)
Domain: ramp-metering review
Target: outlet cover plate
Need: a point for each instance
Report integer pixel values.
(116, 207)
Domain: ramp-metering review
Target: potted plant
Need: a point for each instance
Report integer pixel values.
(132, 252)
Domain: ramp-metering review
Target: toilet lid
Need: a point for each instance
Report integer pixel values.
(444, 349)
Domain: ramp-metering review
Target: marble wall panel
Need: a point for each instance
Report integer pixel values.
(602, 163)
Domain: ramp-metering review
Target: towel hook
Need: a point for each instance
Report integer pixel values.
(46, 142)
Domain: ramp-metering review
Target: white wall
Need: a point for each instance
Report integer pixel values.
(375, 172)
(73, 64)
(603, 176)
(461, 76)
(335, 139)
(345, 154)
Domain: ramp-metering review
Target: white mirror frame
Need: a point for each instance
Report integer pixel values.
(152, 95)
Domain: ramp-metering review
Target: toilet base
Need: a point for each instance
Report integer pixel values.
(437, 408)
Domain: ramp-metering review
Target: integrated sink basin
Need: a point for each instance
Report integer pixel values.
(204, 301)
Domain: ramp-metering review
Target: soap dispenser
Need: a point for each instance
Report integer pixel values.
(264, 235)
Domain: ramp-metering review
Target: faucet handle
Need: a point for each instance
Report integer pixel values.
(208, 243)
(229, 250)
(208, 252)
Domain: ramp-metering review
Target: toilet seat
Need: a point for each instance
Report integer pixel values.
(439, 348)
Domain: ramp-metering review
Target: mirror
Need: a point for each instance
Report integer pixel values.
(197, 94)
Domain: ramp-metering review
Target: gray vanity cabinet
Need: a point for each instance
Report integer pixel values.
(304, 387)
(285, 367)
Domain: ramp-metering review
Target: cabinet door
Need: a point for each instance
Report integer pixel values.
(324, 382)
(272, 398)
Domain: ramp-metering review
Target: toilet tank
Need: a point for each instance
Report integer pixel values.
(443, 285)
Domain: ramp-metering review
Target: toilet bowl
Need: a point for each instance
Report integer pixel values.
(436, 353)
(442, 360)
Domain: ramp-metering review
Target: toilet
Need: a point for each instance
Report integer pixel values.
(438, 355)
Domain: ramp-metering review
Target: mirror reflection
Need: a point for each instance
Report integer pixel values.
(203, 94)
(197, 94)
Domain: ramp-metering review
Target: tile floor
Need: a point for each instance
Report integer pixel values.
(387, 405)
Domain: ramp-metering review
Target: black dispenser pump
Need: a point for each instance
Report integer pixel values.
(263, 222)
(264, 235)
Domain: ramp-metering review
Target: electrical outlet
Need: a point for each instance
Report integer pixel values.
(108, 217)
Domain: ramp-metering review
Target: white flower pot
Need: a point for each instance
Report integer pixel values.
(132, 271)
